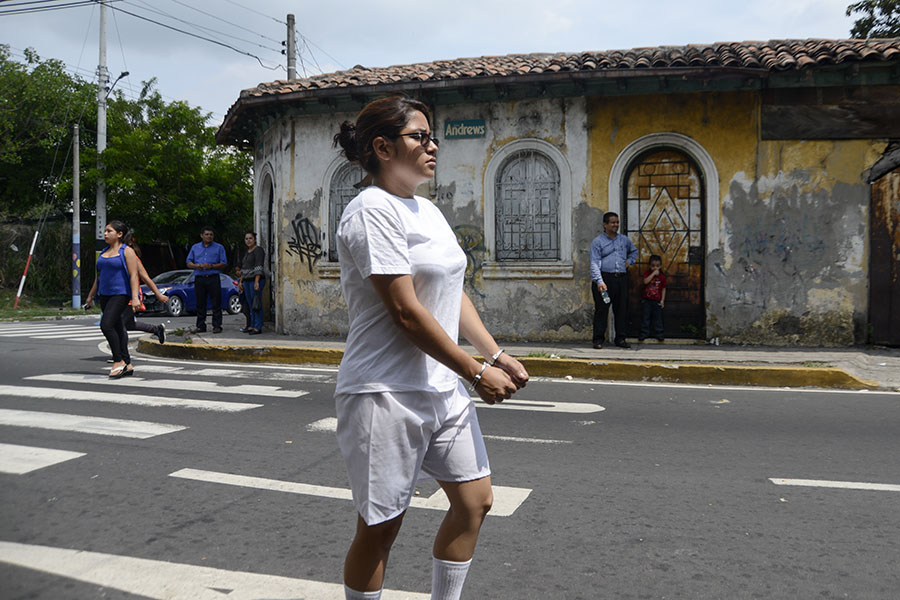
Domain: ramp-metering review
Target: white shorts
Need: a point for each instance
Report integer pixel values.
(390, 440)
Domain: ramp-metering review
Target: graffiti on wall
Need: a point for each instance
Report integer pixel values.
(305, 242)
(471, 240)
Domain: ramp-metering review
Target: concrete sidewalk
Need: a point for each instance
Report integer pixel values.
(841, 368)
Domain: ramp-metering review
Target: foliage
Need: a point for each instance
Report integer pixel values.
(165, 176)
(879, 18)
(39, 102)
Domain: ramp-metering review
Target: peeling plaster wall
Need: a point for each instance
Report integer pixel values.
(545, 309)
(793, 269)
(790, 266)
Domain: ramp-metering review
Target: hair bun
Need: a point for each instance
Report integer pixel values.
(347, 140)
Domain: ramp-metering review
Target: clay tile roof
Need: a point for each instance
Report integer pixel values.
(773, 55)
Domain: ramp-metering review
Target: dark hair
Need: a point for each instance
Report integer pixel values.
(608, 216)
(120, 227)
(381, 118)
(253, 233)
(206, 228)
(655, 257)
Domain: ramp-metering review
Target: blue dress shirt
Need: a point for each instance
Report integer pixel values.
(212, 254)
(611, 255)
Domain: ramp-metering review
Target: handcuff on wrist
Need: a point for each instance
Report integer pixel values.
(477, 378)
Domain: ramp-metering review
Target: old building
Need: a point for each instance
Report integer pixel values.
(747, 166)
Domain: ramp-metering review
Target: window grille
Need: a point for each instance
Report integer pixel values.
(343, 190)
(527, 208)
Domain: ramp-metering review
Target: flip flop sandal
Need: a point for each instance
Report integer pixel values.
(117, 373)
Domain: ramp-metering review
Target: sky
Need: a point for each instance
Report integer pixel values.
(339, 34)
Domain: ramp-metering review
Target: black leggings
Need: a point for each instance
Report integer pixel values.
(113, 327)
(131, 324)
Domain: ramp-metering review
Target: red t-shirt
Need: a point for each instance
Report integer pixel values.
(654, 289)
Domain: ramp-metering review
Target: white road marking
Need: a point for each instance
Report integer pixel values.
(844, 485)
(44, 328)
(176, 384)
(506, 499)
(696, 386)
(328, 424)
(122, 398)
(164, 580)
(241, 373)
(231, 366)
(541, 406)
(18, 460)
(506, 438)
(95, 425)
(47, 335)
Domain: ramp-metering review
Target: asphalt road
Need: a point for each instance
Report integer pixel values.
(237, 489)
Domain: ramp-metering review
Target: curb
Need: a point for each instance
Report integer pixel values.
(779, 376)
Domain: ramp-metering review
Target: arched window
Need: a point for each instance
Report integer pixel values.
(342, 190)
(526, 208)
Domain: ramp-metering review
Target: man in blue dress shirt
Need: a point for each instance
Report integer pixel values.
(611, 255)
(206, 258)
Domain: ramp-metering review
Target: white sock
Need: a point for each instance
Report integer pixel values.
(350, 594)
(447, 578)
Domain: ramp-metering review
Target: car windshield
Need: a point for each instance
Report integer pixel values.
(171, 277)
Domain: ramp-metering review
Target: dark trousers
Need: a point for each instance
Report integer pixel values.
(113, 326)
(131, 324)
(208, 287)
(651, 318)
(245, 305)
(617, 288)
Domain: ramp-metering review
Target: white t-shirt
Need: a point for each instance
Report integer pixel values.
(383, 234)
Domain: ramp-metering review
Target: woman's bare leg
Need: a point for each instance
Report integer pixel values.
(368, 554)
(470, 502)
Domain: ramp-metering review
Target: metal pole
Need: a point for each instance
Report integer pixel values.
(76, 221)
(291, 53)
(102, 83)
(27, 264)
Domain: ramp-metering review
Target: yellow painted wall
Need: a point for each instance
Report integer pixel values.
(725, 123)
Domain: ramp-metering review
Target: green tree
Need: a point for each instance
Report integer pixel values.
(166, 177)
(878, 18)
(39, 103)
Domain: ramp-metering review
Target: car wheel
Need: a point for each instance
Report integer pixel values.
(175, 306)
(234, 304)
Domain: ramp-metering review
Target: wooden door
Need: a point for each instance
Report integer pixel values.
(884, 261)
(664, 215)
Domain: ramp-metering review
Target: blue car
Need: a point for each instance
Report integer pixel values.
(179, 287)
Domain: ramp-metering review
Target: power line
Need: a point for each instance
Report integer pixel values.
(12, 10)
(225, 21)
(196, 26)
(255, 11)
(210, 40)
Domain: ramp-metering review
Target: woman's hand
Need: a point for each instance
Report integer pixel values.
(163, 298)
(89, 303)
(495, 386)
(256, 286)
(513, 368)
(135, 303)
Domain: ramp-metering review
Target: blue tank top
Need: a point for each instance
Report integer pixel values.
(113, 275)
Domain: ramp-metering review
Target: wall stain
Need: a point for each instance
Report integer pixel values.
(471, 240)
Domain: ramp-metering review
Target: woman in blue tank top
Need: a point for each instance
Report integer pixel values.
(117, 283)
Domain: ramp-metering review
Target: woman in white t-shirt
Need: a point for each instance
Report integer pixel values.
(402, 410)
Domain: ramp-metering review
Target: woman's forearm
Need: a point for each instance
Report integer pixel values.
(472, 328)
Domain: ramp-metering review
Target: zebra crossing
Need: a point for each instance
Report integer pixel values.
(95, 389)
(83, 331)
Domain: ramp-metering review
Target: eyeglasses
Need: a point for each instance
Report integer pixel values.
(421, 137)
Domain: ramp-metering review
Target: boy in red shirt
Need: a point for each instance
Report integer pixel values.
(653, 300)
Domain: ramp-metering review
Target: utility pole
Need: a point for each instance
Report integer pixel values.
(291, 52)
(76, 221)
(102, 83)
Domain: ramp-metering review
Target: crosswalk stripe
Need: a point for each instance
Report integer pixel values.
(240, 373)
(18, 460)
(83, 424)
(18, 328)
(175, 384)
(159, 579)
(52, 336)
(122, 398)
(506, 499)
